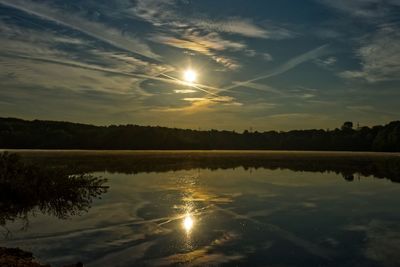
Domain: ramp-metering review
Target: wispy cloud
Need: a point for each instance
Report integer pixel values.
(254, 53)
(203, 256)
(201, 104)
(362, 109)
(326, 62)
(202, 34)
(368, 109)
(30, 56)
(292, 115)
(208, 44)
(184, 91)
(244, 27)
(166, 12)
(96, 30)
(366, 9)
(28, 51)
(379, 54)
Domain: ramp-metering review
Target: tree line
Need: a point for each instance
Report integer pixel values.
(40, 134)
(350, 165)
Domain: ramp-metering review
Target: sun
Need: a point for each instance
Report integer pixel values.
(189, 76)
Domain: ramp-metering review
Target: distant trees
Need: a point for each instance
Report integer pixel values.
(17, 133)
(347, 125)
(387, 138)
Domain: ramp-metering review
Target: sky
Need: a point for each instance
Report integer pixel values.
(260, 65)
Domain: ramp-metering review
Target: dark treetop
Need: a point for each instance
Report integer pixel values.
(23, 134)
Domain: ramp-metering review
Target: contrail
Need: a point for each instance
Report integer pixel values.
(290, 64)
(168, 79)
(191, 85)
(316, 52)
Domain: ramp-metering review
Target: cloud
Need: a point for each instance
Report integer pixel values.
(253, 53)
(203, 256)
(157, 12)
(124, 62)
(181, 43)
(382, 240)
(199, 257)
(207, 44)
(198, 104)
(32, 73)
(379, 54)
(326, 62)
(227, 62)
(300, 92)
(201, 43)
(365, 108)
(366, 9)
(95, 30)
(167, 13)
(267, 56)
(124, 257)
(185, 91)
(198, 33)
(195, 99)
(250, 53)
(18, 67)
(307, 96)
(368, 109)
(234, 26)
(30, 57)
(243, 27)
(293, 116)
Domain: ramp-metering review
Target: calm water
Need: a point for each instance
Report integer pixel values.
(243, 209)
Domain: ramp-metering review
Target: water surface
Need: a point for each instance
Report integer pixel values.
(222, 208)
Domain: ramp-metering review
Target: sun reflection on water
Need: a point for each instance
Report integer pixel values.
(188, 223)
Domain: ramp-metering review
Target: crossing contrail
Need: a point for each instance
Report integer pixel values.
(288, 65)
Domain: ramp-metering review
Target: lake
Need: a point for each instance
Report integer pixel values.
(225, 208)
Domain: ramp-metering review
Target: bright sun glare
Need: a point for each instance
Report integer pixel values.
(188, 223)
(189, 76)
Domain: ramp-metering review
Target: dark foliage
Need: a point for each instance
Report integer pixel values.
(15, 257)
(27, 188)
(16, 133)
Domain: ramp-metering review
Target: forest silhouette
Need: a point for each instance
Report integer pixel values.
(39, 134)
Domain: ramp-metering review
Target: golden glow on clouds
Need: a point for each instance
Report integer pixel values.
(184, 91)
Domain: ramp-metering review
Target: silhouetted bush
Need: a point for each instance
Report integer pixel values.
(27, 188)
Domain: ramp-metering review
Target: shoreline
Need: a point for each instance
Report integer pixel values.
(198, 151)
